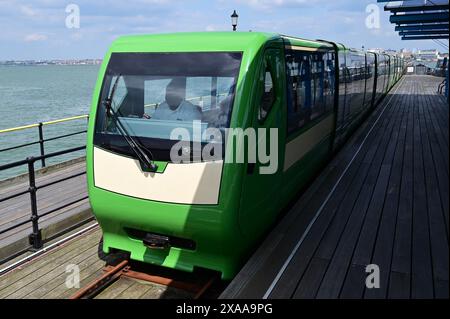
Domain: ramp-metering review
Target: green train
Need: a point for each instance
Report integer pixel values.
(156, 100)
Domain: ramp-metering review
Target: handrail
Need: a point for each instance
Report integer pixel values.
(24, 127)
(189, 99)
(35, 238)
(66, 119)
(41, 140)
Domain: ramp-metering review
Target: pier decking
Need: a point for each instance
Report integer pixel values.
(46, 276)
(49, 200)
(383, 200)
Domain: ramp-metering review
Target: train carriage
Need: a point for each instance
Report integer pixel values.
(156, 92)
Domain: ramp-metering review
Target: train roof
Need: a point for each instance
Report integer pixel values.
(206, 41)
(212, 42)
(192, 42)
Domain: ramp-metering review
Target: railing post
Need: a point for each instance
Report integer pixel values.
(446, 82)
(35, 238)
(41, 143)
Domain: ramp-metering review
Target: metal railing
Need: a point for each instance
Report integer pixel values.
(41, 140)
(35, 237)
(199, 99)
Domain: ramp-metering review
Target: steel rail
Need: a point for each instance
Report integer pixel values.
(123, 269)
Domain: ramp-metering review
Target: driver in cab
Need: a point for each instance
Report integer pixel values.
(175, 107)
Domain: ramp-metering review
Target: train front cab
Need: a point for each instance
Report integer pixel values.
(188, 211)
(284, 83)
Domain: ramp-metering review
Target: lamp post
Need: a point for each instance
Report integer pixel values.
(234, 20)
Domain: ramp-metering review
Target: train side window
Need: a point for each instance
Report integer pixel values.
(310, 81)
(268, 95)
(299, 89)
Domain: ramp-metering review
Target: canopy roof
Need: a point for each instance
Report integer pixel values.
(419, 19)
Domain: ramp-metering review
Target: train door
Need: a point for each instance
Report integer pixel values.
(342, 103)
(259, 199)
(387, 81)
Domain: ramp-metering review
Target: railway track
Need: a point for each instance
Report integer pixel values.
(196, 288)
(112, 278)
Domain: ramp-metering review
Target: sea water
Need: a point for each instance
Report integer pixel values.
(33, 94)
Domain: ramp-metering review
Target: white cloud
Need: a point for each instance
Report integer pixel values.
(271, 4)
(77, 36)
(210, 28)
(28, 11)
(35, 37)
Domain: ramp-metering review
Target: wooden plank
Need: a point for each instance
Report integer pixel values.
(310, 282)
(61, 291)
(50, 225)
(116, 288)
(438, 128)
(162, 292)
(399, 285)
(403, 226)
(299, 263)
(336, 274)
(51, 175)
(401, 255)
(135, 291)
(53, 199)
(372, 201)
(270, 256)
(321, 227)
(437, 230)
(382, 254)
(254, 287)
(87, 277)
(353, 286)
(422, 280)
(87, 265)
(351, 213)
(18, 209)
(43, 194)
(268, 259)
(442, 179)
(21, 205)
(40, 276)
(23, 275)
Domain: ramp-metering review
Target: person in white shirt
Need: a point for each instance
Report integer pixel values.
(175, 107)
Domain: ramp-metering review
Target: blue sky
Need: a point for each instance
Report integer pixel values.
(36, 29)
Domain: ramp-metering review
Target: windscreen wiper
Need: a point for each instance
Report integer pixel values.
(147, 165)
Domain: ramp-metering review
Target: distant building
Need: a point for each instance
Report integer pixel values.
(53, 62)
(387, 51)
(391, 52)
(406, 54)
(427, 55)
(376, 50)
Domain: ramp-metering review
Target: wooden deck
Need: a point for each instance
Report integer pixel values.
(45, 276)
(18, 209)
(383, 200)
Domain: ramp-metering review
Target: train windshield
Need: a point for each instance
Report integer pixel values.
(162, 98)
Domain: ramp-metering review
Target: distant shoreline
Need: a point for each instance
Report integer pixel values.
(50, 62)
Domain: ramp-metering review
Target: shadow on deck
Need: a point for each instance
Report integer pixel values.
(384, 200)
(69, 194)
